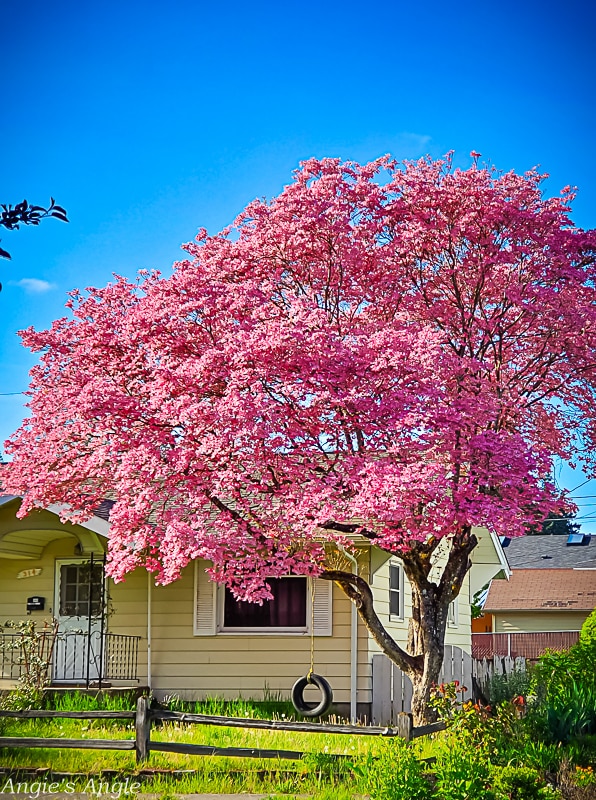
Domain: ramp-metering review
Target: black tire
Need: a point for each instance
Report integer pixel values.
(305, 708)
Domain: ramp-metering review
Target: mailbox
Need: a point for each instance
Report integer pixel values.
(36, 603)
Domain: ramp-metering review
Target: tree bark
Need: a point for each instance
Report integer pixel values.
(423, 658)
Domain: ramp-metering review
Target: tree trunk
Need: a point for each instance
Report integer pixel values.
(423, 658)
(426, 637)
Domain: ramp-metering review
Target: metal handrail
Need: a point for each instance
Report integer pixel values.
(113, 656)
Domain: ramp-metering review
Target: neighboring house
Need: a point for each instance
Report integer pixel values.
(191, 638)
(539, 553)
(536, 610)
(542, 600)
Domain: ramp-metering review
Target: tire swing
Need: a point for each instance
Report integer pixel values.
(311, 678)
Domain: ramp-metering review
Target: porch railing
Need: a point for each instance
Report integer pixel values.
(76, 656)
(15, 655)
(521, 645)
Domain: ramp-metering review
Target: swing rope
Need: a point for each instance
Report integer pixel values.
(311, 677)
(312, 630)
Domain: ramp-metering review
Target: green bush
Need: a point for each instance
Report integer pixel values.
(517, 783)
(536, 754)
(500, 688)
(584, 751)
(462, 770)
(564, 684)
(587, 634)
(396, 774)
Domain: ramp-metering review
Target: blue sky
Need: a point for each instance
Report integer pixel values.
(149, 120)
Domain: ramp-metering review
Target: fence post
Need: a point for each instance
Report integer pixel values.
(404, 726)
(142, 730)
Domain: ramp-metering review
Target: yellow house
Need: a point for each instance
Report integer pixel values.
(191, 638)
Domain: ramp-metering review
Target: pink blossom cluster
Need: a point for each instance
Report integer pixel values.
(404, 346)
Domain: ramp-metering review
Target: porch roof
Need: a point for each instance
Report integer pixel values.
(26, 539)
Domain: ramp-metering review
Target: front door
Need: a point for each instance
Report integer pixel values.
(79, 605)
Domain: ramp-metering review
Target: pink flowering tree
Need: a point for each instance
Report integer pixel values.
(394, 351)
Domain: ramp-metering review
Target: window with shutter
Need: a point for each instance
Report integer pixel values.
(285, 612)
(290, 611)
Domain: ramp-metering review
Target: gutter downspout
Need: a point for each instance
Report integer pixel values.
(149, 582)
(353, 648)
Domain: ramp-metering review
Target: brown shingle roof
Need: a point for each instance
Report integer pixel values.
(544, 590)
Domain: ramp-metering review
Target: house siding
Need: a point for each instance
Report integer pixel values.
(14, 592)
(459, 635)
(226, 664)
(527, 622)
(207, 666)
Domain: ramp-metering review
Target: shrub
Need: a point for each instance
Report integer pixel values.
(587, 634)
(34, 649)
(500, 688)
(396, 774)
(462, 770)
(517, 783)
(565, 687)
(542, 756)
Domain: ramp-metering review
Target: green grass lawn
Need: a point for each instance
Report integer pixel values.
(481, 752)
(315, 774)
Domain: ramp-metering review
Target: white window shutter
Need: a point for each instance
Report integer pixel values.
(205, 602)
(323, 607)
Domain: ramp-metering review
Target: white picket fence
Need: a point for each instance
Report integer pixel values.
(499, 665)
(392, 689)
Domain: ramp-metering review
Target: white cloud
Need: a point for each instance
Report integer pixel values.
(34, 285)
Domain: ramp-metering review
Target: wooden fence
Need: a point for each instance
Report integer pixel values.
(486, 668)
(144, 716)
(392, 689)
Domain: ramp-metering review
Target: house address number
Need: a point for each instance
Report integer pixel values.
(29, 573)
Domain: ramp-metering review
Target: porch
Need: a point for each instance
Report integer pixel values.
(71, 658)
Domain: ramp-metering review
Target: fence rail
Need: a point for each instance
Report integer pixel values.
(521, 645)
(144, 717)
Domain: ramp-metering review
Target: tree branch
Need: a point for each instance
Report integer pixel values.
(347, 527)
(359, 592)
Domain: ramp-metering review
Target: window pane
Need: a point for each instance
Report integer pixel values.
(394, 576)
(70, 593)
(74, 589)
(394, 608)
(69, 573)
(286, 610)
